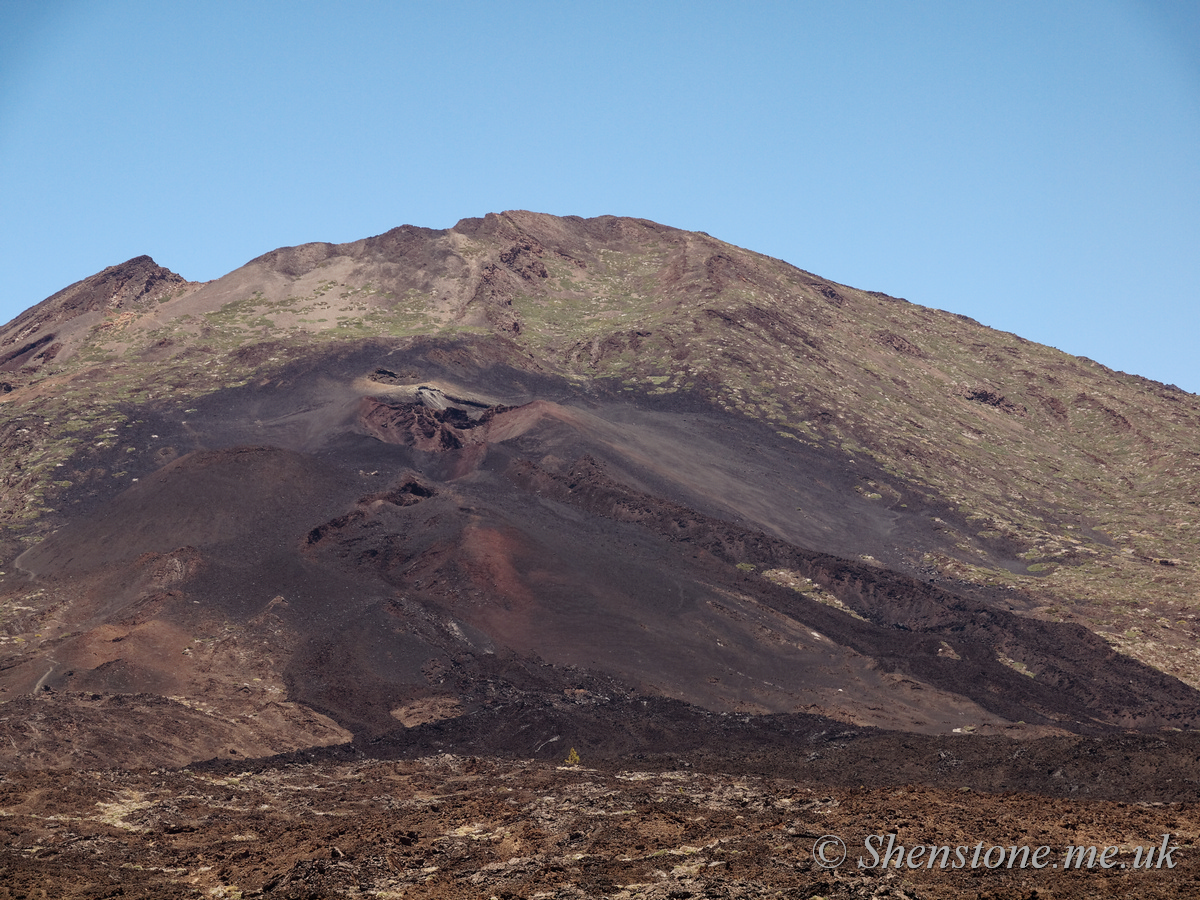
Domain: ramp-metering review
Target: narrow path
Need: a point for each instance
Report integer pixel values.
(53, 665)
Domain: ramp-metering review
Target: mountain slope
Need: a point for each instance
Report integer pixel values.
(363, 485)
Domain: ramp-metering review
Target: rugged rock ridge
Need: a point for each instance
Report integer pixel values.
(28, 340)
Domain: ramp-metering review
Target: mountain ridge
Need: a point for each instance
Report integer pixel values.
(657, 391)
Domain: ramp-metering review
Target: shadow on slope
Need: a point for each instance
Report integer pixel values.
(373, 542)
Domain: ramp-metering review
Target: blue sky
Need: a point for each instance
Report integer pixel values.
(1033, 165)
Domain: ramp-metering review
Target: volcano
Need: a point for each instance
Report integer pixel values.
(511, 484)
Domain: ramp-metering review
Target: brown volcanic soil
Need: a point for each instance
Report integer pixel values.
(455, 827)
(778, 557)
(335, 544)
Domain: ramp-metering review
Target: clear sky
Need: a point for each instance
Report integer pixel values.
(1034, 165)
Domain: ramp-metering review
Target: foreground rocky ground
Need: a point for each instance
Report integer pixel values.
(452, 826)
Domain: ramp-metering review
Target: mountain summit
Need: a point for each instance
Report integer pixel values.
(29, 340)
(439, 485)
